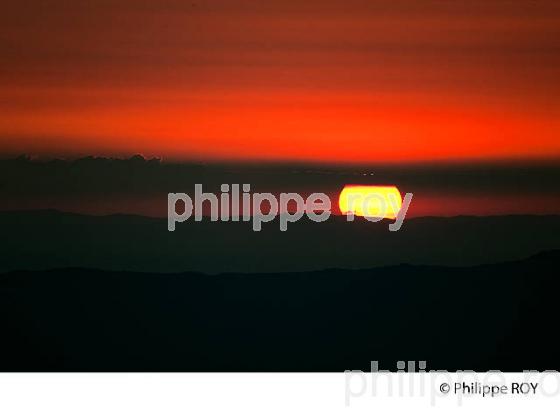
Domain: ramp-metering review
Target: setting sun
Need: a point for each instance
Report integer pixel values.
(371, 201)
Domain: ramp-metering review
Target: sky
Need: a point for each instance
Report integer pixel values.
(321, 81)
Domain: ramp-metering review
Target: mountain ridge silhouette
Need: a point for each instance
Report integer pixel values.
(50, 239)
(498, 316)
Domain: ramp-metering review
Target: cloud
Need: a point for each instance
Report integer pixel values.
(26, 177)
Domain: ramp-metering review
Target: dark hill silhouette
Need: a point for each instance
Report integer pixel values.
(495, 316)
(51, 239)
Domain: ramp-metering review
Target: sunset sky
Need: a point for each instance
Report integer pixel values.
(326, 81)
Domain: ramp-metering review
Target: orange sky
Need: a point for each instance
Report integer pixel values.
(353, 81)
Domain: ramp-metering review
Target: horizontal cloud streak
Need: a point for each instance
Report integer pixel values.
(137, 185)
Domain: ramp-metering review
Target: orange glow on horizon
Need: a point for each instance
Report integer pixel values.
(276, 126)
(373, 201)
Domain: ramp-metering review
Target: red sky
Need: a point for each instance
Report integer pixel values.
(348, 81)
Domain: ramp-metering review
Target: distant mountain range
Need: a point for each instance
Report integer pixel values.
(496, 316)
(50, 239)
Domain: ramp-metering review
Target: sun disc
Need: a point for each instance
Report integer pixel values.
(373, 201)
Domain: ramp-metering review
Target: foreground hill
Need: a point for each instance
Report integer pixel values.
(50, 239)
(498, 316)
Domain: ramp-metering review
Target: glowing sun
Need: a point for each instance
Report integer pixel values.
(372, 201)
